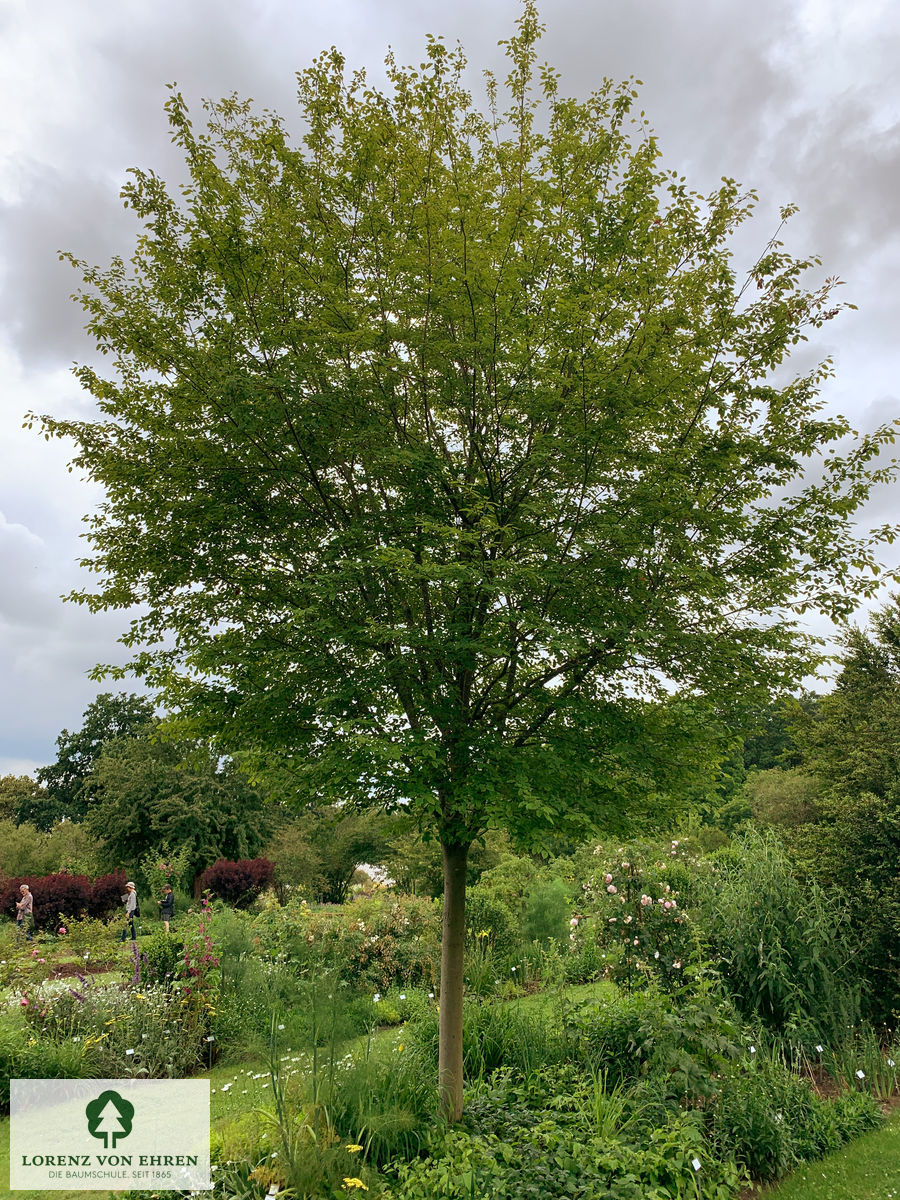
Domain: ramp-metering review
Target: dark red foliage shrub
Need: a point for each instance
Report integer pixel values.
(238, 882)
(106, 894)
(53, 894)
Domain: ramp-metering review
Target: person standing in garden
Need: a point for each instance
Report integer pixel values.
(167, 906)
(131, 910)
(25, 913)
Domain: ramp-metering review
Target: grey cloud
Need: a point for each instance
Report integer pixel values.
(24, 602)
(47, 648)
(80, 214)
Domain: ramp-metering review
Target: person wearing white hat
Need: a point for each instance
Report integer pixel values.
(131, 910)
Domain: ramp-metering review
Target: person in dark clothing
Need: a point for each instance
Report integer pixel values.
(167, 906)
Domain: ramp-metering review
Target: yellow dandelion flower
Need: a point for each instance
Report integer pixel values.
(353, 1182)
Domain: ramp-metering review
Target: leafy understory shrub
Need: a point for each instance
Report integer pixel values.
(540, 1140)
(685, 1040)
(53, 895)
(90, 934)
(161, 959)
(106, 894)
(782, 946)
(770, 1120)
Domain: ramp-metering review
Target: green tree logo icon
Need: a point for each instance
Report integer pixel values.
(109, 1116)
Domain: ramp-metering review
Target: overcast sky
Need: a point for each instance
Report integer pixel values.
(797, 99)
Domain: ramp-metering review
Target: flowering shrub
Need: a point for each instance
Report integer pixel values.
(26, 965)
(373, 941)
(637, 913)
(165, 866)
(238, 882)
(91, 935)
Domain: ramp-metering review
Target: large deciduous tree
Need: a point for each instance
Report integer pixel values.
(322, 848)
(19, 794)
(443, 456)
(149, 794)
(65, 793)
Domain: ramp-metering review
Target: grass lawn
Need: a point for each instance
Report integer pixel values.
(576, 993)
(867, 1169)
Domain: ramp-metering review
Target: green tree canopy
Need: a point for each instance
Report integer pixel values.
(66, 784)
(321, 849)
(771, 738)
(852, 750)
(25, 850)
(444, 460)
(148, 794)
(19, 794)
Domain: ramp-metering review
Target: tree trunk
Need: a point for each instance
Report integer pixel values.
(453, 933)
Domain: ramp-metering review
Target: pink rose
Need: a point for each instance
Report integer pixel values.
(668, 904)
(609, 878)
(612, 889)
(645, 900)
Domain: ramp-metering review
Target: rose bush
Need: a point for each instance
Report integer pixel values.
(632, 911)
